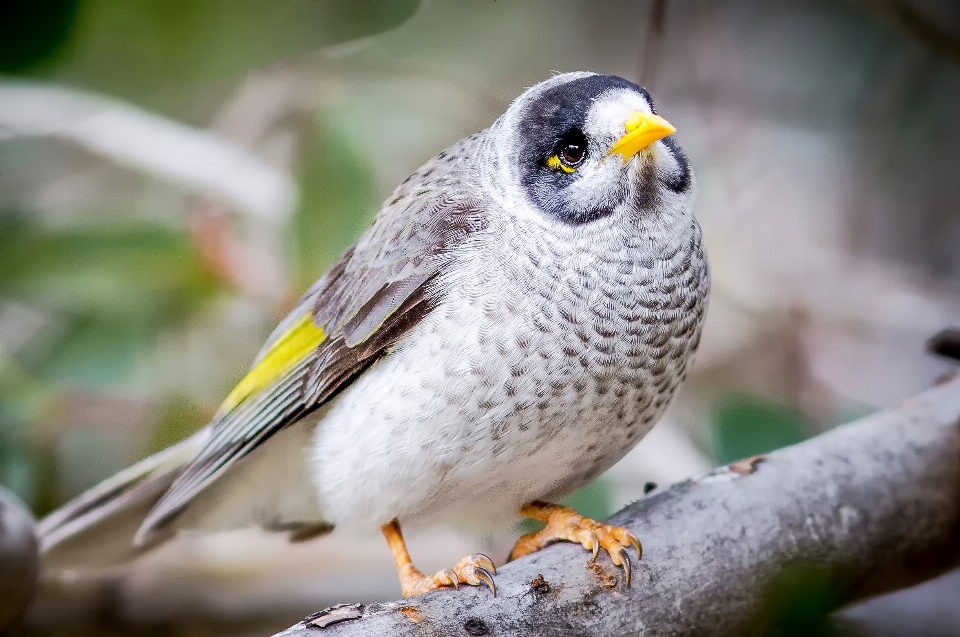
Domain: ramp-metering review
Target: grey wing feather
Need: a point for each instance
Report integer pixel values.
(369, 298)
(108, 503)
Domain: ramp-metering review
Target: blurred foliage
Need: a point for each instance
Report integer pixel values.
(110, 287)
(27, 466)
(131, 48)
(336, 184)
(108, 290)
(105, 292)
(744, 425)
(593, 500)
(32, 33)
(21, 398)
(799, 603)
(179, 418)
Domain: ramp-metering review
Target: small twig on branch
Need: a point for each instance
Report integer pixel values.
(19, 559)
(946, 343)
(864, 509)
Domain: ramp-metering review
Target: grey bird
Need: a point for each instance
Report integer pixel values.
(516, 319)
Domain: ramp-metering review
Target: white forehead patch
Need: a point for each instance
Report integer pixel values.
(609, 113)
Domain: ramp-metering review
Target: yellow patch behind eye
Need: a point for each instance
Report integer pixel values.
(555, 163)
(290, 349)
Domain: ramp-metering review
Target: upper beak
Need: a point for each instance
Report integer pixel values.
(642, 130)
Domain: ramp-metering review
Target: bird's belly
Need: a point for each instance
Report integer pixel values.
(452, 467)
(469, 428)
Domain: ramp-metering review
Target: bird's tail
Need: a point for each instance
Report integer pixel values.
(98, 526)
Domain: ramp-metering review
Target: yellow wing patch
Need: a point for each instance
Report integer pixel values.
(296, 344)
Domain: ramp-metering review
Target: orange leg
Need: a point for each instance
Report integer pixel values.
(565, 524)
(472, 570)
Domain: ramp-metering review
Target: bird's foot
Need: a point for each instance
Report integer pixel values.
(565, 524)
(472, 570)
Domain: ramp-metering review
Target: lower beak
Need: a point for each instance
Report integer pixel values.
(642, 130)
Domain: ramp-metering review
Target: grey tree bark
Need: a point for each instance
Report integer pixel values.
(19, 560)
(864, 509)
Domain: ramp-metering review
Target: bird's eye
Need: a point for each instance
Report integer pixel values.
(569, 153)
(572, 154)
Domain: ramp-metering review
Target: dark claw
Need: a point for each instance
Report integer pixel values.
(626, 566)
(595, 545)
(487, 578)
(451, 576)
(485, 562)
(635, 542)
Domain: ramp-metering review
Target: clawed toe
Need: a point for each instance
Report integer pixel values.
(620, 558)
(615, 541)
(565, 524)
(448, 577)
(472, 570)
(484, 575)
(477, 569)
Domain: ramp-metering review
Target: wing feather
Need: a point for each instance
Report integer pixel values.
(376, 292)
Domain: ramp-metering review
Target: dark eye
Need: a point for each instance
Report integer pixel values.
(572, 154)
(571, 150)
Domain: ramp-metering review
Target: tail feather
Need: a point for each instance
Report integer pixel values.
(109, 514)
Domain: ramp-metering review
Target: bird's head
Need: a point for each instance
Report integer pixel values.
(581, 146)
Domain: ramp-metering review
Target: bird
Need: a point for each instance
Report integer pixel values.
(518, 316)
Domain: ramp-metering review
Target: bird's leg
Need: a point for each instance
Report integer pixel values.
(565, 524)
(473, 570)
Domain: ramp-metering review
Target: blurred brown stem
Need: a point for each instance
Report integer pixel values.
(864, 509)
(652, 39)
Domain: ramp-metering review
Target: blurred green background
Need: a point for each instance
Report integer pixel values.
(174, 174)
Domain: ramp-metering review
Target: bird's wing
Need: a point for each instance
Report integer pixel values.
(380, 288)
(114, 508)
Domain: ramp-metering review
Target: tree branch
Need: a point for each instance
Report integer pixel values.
(864, 509)
(19, 559)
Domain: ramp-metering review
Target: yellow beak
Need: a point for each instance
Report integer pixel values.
(642, 130)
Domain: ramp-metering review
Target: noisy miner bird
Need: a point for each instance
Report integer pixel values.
(518, 316)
